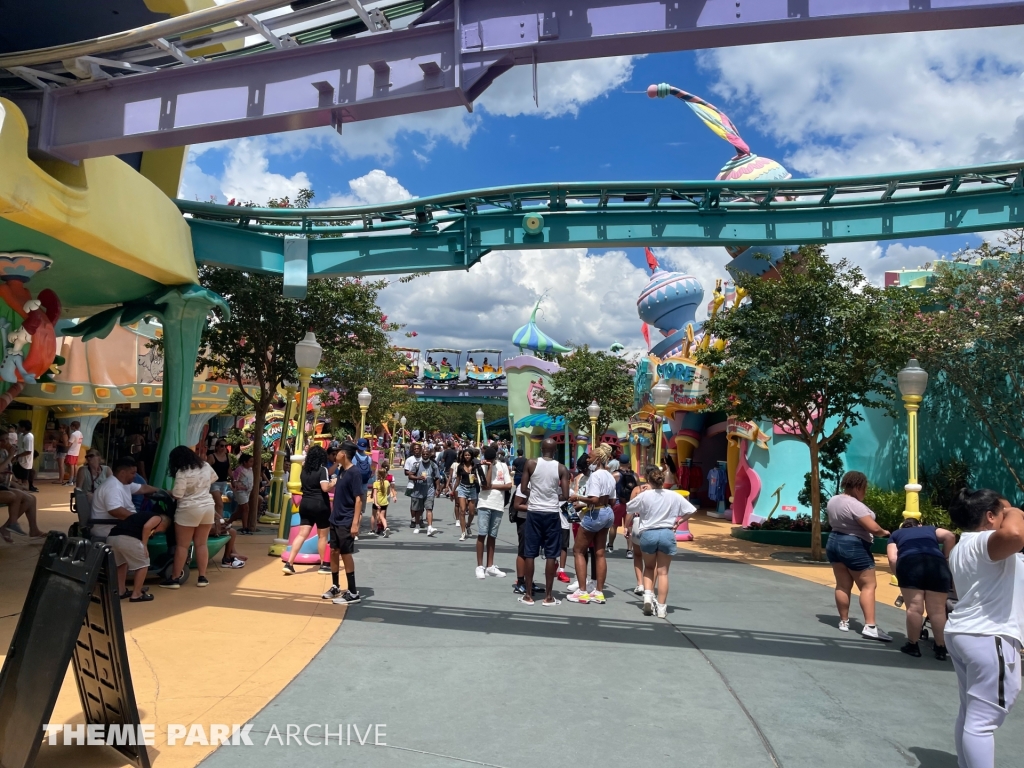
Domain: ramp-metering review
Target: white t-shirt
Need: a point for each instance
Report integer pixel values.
(495, 499)
(111, 495)
(601, 483)
(27, 442)
(75, 443)
(192, 487)
(410, 465)
(658, 508)
(991, 592)
(244, 478)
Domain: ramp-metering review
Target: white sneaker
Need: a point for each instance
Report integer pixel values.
(874, 633)
(844, 626)
(648, 604)
(662, 610)
(591, 585)
(574, 586)
(415, 530)
(480, 573)
(463, 536)
(495, 571)
(638, 589)
(431, 530)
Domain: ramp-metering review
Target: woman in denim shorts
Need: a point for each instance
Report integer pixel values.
(849, 551)
(594, 525)
(659, 512)
(468, 476)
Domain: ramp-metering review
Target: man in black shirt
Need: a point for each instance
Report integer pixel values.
(448, 457)
(128, 540)
(517, 469)
(346, 516)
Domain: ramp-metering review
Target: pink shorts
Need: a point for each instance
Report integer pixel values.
(70, 460)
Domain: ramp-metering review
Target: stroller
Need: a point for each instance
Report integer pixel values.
(951, 601)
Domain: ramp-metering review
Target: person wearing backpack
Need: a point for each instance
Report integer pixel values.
(363, 461)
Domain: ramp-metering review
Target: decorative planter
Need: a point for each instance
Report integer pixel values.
(793, 539)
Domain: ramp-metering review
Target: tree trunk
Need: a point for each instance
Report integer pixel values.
(815, 502)
(257, 457)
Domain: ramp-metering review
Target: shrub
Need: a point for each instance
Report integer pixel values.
(801, 523)
(888, 508)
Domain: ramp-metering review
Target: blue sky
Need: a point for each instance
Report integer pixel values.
(832, 107)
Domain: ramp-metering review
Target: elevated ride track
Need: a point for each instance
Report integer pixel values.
(454, 231)
(331, 62)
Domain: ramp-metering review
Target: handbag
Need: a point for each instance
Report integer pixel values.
(569, 512)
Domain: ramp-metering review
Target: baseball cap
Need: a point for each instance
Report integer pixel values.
(363, 444)
(334, 446)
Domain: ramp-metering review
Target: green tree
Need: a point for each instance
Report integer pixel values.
(811, 349)
(256, 345)
(588, 375)
(346, 372)
(974, 342)
(455, 418)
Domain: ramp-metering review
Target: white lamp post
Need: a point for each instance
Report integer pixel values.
(593, 411)
(479, 425)
(661, 394)
(364, 397)
(912, 382)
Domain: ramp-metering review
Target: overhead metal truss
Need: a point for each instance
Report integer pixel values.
(149, 88)
(454, 231)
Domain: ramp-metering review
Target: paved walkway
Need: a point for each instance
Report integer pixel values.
(748, 670)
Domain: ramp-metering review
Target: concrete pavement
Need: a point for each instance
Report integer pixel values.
(748, 670)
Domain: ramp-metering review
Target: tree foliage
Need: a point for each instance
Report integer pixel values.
(588, 375)
(454, 418)
(378, 369)
(973, 341)
(811, 349)
(256, 346)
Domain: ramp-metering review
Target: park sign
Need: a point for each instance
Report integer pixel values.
(688, 381)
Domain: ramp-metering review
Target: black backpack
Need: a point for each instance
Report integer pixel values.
(627, 482)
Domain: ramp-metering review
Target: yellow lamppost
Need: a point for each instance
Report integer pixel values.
(394, 437)
(479, 425)
(364, 397)
(317, 405)
(275, 506)
(912, 382)
(593, 411)
(307, 358)
(661, 394)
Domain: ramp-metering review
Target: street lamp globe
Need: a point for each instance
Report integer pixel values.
(912, 380)
(308, 352)
(661, 393)
(402, 422)
(594, 410)
(479, 414)
(364, 397)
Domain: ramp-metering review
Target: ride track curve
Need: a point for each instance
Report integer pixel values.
(453, 231)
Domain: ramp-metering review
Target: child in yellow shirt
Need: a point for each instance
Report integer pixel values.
(383, 493)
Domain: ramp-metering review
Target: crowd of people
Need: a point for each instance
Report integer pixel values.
(969, 589)
(550, 507)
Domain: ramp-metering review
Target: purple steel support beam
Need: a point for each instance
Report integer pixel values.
(448, 58)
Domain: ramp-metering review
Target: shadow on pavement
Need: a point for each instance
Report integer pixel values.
(566, 622)
(934, 758)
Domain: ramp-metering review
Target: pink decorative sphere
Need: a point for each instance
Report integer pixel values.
(652, 91)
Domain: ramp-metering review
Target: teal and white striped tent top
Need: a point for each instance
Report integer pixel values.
(532, 338)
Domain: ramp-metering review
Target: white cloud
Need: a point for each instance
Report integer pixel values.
(884, 103)
(562, 87)
(591, 298)
(246, 176)
(875, 260)
(371, 189)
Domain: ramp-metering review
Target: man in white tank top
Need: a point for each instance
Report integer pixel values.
(547, 484)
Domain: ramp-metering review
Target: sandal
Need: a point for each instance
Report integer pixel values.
(145, 597)
(526, 601)
(554, 601)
